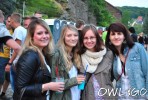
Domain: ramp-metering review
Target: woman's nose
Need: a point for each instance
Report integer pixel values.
(116, 36)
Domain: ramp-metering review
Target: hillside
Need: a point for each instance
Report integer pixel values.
(134, 11)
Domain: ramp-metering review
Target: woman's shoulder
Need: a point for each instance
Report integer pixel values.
(137, 46)
(109, 52)
(56, 52)
(29, 54)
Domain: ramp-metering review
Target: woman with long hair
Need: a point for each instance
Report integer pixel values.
(33, 75)
(130, 67)
(97, 63)
(65, 63)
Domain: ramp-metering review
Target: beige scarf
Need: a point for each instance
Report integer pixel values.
(92, 59)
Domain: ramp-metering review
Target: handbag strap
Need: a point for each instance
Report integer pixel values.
(123, 66)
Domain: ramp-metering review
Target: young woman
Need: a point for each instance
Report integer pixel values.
(97, 62)
(130, 65)
(65, 63)
(33, 75)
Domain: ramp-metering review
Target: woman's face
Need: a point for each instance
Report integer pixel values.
(71, 38)
(116, 38)
(41, 37)
(89, 40)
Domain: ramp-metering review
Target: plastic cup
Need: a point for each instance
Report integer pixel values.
(59, 79)
(81, 86)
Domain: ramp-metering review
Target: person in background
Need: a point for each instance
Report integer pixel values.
(38, 14)
(79, 25)
(28, 20)
(146, 42)
(65, 63)
(19, 36)
(141, 38)
(130, 66)
(97, 62)
(104, 34)
(33, 75)
(100, 31)
(5, 38)
(133, 34)
(6, 55)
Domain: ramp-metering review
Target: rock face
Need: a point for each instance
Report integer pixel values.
(76, 9)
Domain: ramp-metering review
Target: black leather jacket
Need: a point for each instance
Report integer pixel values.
(30, 76)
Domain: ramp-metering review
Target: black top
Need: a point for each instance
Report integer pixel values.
(134, 37)
(141, 40)
(5, 39)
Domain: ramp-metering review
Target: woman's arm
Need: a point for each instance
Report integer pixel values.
(26, 67)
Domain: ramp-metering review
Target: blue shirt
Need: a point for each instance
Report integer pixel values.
(137, 68)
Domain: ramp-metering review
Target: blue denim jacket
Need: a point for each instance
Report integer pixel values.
(137, 67)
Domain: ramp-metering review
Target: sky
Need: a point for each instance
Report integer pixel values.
(120, 3)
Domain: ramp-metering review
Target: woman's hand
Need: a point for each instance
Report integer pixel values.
(80, 78)
(54, 86)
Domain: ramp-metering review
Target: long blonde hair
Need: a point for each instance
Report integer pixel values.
(61, 44)
(29, 40)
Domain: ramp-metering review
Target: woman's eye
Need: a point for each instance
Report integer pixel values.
(39, 33)
(46, 32)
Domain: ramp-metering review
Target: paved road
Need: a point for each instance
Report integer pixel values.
(8, 95)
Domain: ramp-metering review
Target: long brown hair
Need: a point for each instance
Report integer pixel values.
(29, 40)
(99, 41)
(118, 27)
(64, 49)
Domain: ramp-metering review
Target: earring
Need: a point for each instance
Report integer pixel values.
(124, 42)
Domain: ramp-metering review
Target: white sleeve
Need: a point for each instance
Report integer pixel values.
(17, 35)
(4, 32)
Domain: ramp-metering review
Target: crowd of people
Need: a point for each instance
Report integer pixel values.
(39, 69)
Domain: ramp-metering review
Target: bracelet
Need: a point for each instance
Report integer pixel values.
(9, 63)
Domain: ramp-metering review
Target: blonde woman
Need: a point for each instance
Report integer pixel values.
(33, 75)
(65, 63)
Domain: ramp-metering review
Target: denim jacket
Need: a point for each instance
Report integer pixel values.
(137, 68)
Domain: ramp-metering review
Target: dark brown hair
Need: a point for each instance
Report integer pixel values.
(118, 27)
(79, 23)
(99, 42)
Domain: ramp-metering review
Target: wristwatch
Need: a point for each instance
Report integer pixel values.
(9, 63)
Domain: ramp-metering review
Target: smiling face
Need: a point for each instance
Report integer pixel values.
(41, 37)
(117, 38)
(71, 38)
(89, 40)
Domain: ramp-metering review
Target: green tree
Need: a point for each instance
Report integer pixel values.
(125, 18)
(98, 8)
(47, 7)
(145, 24)
(138, 28)
(7, 6)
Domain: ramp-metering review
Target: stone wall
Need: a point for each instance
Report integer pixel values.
(77, 9)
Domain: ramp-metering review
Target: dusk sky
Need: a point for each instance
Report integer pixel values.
(120, 3)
